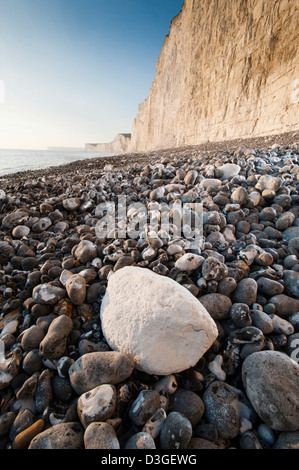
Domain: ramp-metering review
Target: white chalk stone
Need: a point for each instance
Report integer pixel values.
(156, 321)
(206, 182)
(229, 170)
(189, 262)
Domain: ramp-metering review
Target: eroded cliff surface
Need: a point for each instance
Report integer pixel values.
(227, 69)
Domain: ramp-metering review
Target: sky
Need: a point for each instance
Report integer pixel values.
(75, 71)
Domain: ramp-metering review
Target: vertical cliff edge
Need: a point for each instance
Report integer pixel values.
(228, 69)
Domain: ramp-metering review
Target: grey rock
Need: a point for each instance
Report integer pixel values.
(100, 436)
(145, 405)
(48, 294)
(141, 440)
(262, 321)
(290, 233)
(190, 177)
(239, 195)
(23, 420)
(291, 260)
(61, 227)
(9, 367)
(86, 251)
(176, 432)
(63, 365)
(154, 425)
(93, 293)
(29, 263)
(43, 394)
(86, 346)
(97, 404)
(15, 218)
(167, 383)
(285, 305)
(240, 315)
(42, 225)
(250, 337)
(71, 203)
(53, 346)
(76, 289)
(62, 389)
(200, 443)
(64, 276)
(271, 381)
(266, 434)
(189, 404)
(213, 269)
(248, 440)
(227, 285)
(269, 287)
(28, 388)
(60, 436)
(246, 292)
(294, 319)
(215, 367)
(269, 182)
(281, 325)
(294, 243)
(285, 220)
(32, 362)
(6, 420)
(218, 305)
(157, 193)
(20, 231)
(32, 337)
(267, 214)
(287, 440)
(206, 431)
(222, 408)
(97, 368)
(291, 279)
(10, 328)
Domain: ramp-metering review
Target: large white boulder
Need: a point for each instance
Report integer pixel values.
(155, 320)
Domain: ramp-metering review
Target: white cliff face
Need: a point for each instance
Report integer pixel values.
(226, 70)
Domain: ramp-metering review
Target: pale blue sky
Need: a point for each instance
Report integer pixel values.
(74, 71)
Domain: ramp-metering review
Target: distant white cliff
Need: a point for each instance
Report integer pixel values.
(120, 144)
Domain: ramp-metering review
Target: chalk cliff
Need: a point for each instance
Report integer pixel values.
(227, 69)
(119, 145)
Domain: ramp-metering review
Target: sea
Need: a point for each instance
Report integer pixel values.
(13, 161)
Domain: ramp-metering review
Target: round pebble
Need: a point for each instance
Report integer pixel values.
(176, 432)
(100, 436)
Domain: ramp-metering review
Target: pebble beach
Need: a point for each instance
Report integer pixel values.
(98, 352)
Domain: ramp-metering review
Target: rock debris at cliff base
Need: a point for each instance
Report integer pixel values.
(65, 384)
